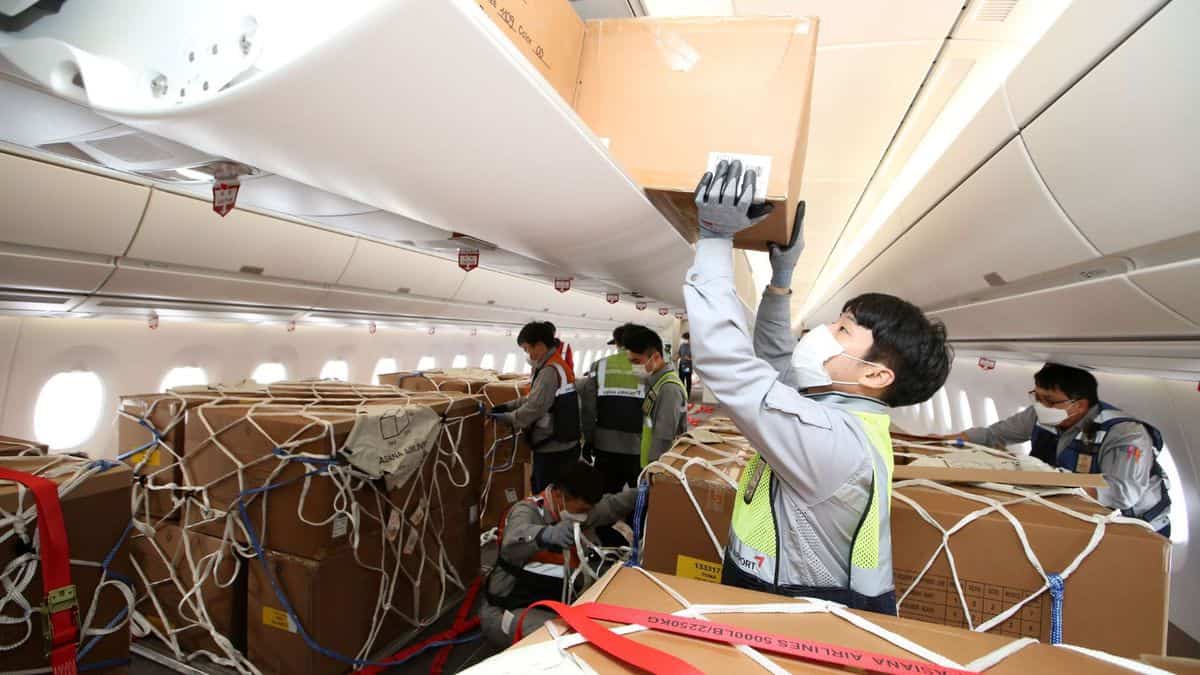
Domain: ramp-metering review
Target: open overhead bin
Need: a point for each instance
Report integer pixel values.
(437, 111)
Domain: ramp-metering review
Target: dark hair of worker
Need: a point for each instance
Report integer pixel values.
(642, 340)
(580, 480)
(906, 341)
(1076, 383)
(537, 332)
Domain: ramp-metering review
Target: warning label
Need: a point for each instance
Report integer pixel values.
(278, 619)
(695, 568)
(155, 458)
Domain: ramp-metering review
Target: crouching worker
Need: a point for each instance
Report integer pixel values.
(812, 511)
(537, 548)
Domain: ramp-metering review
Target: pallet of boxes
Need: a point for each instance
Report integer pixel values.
(304, 527)
(982, 541)
(506, 470)
(66, 584)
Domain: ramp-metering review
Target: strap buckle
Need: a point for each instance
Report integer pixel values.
(58, 600)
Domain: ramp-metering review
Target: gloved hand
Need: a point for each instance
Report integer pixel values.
(784, 258)
(560, 534)
(725, 210)
(502, 408)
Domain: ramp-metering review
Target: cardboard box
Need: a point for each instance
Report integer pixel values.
(141, 417)
(627, 587)
(324, 429)
(96, 512)
(1116, 600)
(176, 561)
(676, 541)
(661, 94)
(320, 390)
(467, 383)
(19, 447)
(507, 459)
(335, 600)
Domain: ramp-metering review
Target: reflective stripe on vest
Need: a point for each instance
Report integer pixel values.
(619, 395)
(648, 411)
(753, 528)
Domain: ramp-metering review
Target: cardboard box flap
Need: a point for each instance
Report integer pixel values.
(630, 587)
(18, 447)
(60, 469)
(725, 455)
(1032, 478)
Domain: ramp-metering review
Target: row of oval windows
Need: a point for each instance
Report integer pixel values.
(70, 404)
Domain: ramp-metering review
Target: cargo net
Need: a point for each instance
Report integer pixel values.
(676, 464)
(978, 456)
(15, 447)
(18, 533)
(500, 455)
(410, 553)
(553, 656)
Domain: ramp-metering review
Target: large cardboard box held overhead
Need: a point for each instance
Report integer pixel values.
(669, 97)
(629, 587)
(1116, 600)
(96, 513)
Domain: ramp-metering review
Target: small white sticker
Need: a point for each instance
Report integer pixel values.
(340, 524)
(761, 164)
(417, 516)
(411, 544)
(511, 495)
(393, 525)
(473, 514)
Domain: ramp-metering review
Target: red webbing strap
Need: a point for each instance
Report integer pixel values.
(635, 654)
(786, 645)
(62, 630)
(463, 622)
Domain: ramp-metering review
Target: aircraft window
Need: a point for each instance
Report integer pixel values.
(68, 409)
(460, 361)
(964, 410)
(945, 421)
(488, 361)
(510, 363)
(266, 373)
(335, 370)
(427, 363)
(1179, 513)
(990, 416)
(183, 376)
(384, 365)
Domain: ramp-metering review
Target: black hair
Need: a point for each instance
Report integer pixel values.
(618, 334)
(906, 341)
(642, 340)
(537, 332)
(580, 480)
(1076, 383)
(553, 330)
(687, 336)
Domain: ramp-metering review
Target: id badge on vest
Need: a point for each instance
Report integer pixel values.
(1084, 462)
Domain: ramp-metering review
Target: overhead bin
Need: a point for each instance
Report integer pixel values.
(999, 226)
(55, 120)
(54, 207)
(157, 280)
(352, 300)
(388, 268)
(1081, 36)
(518, 171)
(52, 270)
(384, 226)
(1118, 150)
(1108, 308)
(185, 231)
(1175, 286)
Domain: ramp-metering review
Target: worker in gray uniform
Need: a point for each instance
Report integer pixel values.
(664, 413)
(533, 537)
(1069, 427)
(812, 511)
(610, 412)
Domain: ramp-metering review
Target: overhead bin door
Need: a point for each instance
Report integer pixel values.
(387, 268)
(145, 279)
(1175, 286)
(52, 270)
(186, 231)
(1118, 149)
(54, 207)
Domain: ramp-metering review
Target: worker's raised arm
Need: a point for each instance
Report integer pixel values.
(774, 340)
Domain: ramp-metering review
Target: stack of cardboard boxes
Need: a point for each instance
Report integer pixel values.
(272, 553)
(94, 498)
(1114, 600)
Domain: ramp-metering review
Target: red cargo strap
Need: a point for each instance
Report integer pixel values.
(762, 641)
(60, 610)
(634, 653)
(463, 623)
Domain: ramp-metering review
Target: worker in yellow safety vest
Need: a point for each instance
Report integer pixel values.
(664, 413)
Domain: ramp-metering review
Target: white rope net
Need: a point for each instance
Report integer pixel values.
(269, 474)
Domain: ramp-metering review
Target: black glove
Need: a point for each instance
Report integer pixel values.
(502, 408)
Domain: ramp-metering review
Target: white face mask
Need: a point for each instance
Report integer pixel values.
(1049, 416)
(812, 352)
(639, 370)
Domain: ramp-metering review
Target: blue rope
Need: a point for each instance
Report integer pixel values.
(260, 555)
(1056, 608)
(153, 442)
(639, 512)
(106, 572)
